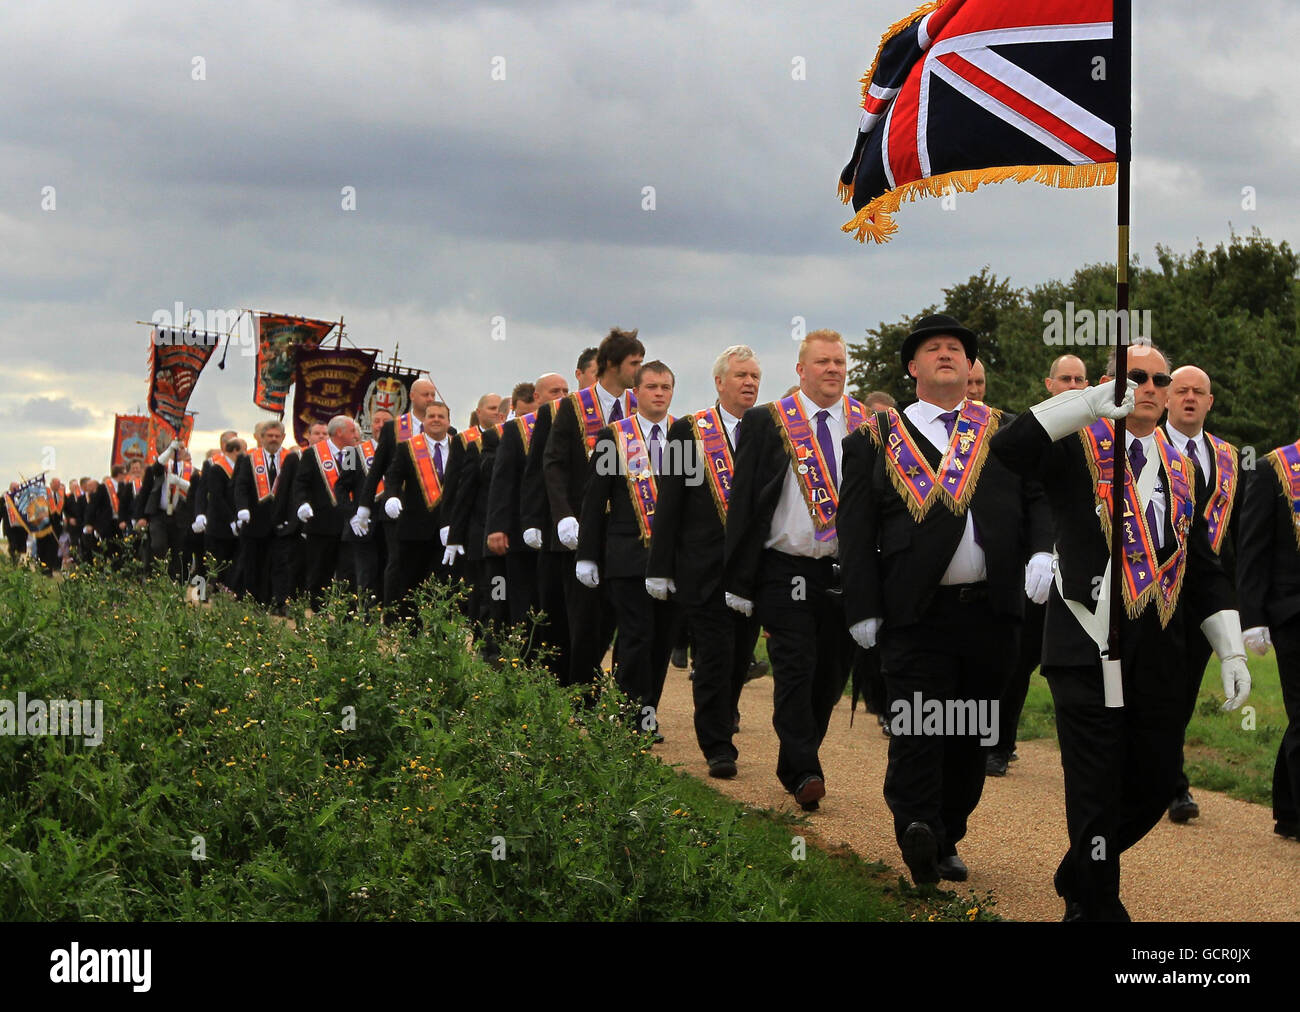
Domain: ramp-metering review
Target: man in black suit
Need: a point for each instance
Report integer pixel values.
(111, 514)
(1120, 761)
(165, 503)
(554, 562)
(86, 519)
(289, 543)
(1268, 582)
(781, 550)
(467, 505)
(934, 537)
(14, 531)
(215, 514)
(615, 527)
(256, 474)
(324, 484)
(577, 419)
(1067, 372)
(414, 505)
(686, 553)
(1217, 465)
(391, 434)
(505, 533)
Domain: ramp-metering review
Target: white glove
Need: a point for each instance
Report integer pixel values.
(567, 531)
(392, 508)
(533, 538)
(443, 534)
(363, 512)
(1257, 639)
(360, 525)
(1074, 409)
(659, 588)
(234, 527)
(864, 633)
(200, 524)
(588, 574)
(305, 512)
(1038, 577)
(739, 604)
(1223, 630)
(449, 556)
(243, 516)
(165, 458)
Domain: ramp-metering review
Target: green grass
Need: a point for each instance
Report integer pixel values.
(1223, 752)
(341, 771)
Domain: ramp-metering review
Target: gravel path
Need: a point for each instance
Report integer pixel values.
(1226, 865)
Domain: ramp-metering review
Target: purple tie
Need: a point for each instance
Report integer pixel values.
(827, 444)
(437, 458)
(656, 448)
(1138, 458)
(616, 412)
(1196, 461)
(949, 419)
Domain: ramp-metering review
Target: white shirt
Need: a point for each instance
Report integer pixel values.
(607, 404)
(1158, 493)
(730, 421)
(792, 528)
(444, 442)
(968, 564)
(1199, 448)
(647, 427)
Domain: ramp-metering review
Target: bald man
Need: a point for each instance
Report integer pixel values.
(1066, 373)
(975, 382)
(1217, 465)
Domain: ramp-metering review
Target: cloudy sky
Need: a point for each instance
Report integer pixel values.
(522, 197)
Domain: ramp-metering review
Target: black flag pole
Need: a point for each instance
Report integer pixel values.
(1122, 80)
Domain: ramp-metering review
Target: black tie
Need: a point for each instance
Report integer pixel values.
(616, 412)
(270, 469)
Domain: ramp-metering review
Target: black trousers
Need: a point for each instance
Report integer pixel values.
(1120, 764)
(47, 554)
(647, 630)
(322, 559)
(1016, 686)
(521, 579)
(591, 624)
(1198, 656)
(1286, 770)
(285, 553)
(809, 649)
(395, 585)
(154, 542)
(959, 653)
(413, 562)
(367, 567)
(221, 553)
(722, 644)
(554, 630)
(17, 545)
(254, 565)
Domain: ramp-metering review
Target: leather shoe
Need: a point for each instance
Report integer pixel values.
(1183, 808)
(811, 789)
(722, 768)
(757, 669)
(995, 763)
(678, 658)
(1073, 912)
(953, 869)
(1290, 830)
(921, 853)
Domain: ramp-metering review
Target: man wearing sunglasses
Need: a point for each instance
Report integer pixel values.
(1216, 464)
(1121, 762)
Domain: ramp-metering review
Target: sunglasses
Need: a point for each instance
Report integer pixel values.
(1140, 376)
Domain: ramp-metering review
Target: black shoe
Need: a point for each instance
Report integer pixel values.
(1013, 756)
(1290, 830)
(921, 853)
(884, 726)
(679, 657)
(1073, 912)
(656, 738)
(1183, 808)
(995, 763)
(757, 669)
(953, 869)
(811, 789)
(722, 768)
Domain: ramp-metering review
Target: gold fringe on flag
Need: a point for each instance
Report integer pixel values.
(890, 32)
(875, 220)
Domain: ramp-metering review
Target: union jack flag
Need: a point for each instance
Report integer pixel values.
(965, 92)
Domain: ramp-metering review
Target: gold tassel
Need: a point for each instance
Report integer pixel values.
(845, 193)
(890, 32)
(875, 221)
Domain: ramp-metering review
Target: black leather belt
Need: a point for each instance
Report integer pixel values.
(966, 593)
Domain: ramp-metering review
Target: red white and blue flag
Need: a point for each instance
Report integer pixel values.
(964, 92)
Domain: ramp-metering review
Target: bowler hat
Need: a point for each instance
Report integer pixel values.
(931, 326)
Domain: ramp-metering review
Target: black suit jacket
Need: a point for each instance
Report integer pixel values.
(608, 532)
(1268, 578)
(309, 486)
(217, 501)
(1228, 549)
(284, 516)
(534, 501)
(564, 465)
(148, 503)
(417, 522)
(101, 508)
(761, 467)
(469, 510)
(262, 514)
(503, 507)
(1024, 447)
(688, 538)
(892, 564)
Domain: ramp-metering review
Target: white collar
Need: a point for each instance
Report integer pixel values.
(810, 408)
(1179, 440)
(930, 411)
(647, 425)
(727, 417)
(334, 450)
